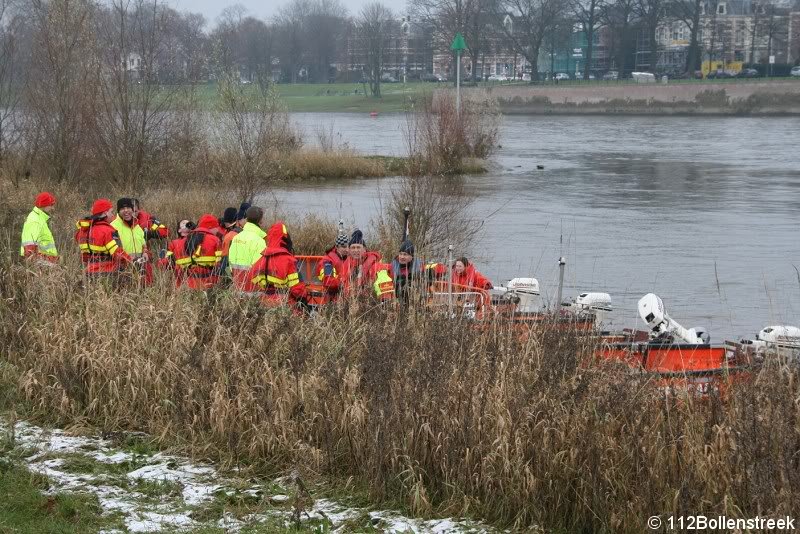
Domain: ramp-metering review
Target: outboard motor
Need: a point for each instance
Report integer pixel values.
(594, 304)
(527, 291)
(784, 340)
(651, 310)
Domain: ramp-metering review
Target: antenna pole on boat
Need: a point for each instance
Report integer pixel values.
(450, 280)
(406, 215)
(562, 262)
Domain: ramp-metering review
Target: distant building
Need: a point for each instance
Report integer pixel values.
(409, 54)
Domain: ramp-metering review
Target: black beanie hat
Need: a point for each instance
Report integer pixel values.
(357, 238)
(242, 214)
(124, 203)
(407, 246)
(229, 216)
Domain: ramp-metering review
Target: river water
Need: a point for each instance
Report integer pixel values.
(705, 212)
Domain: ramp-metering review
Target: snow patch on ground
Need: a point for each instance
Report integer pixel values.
(198, 486)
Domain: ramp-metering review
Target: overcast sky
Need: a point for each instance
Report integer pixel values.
(258, 8)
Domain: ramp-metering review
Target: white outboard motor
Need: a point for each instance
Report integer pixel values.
(597, 304)
(651, 310)
(527, 290)
(780, 335)
(783, 340)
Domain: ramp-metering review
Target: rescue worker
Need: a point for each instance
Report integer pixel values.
(231, 224)
(37, 242)
(200, 256)
(101, 250)
(131, 234)
(409, 273)
(176, 245)
(362, 272)
(465, 274)
(245, 250)
(331, 264)
(153, 228)
(275, 273)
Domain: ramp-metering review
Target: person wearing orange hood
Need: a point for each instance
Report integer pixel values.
(199, 259)
(465, 274)
(331, 264)
(99, 243)
(275, 273)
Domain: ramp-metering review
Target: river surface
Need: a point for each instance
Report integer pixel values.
(705, 212)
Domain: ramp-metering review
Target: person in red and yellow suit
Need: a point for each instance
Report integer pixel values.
(275, 273)
(201, 254)
(465, 274)
(101, 250)
(362, 272)
(331, 264)
(153, 228)
(37, 242)
(132, 238)
(176, 246)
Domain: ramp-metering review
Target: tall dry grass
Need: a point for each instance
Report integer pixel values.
(445, 417)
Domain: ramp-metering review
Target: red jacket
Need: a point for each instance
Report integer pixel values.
(101, 250)
(331, 283)
(168, 261)
(472, 278)
(200, 263)
(153, 229)
(276, 271)
(355, 276)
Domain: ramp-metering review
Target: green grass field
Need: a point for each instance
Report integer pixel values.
(399, 97)
(345, 97)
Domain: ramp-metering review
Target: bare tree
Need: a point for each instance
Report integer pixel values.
(618, 15)
(689, 13)
(12, 78)
(651, 13)
(532, 20)
(252, 127)
(375, 27)
(473, 18)
(324, 26)
(291, 27)
(774, 29)
(62, 84)
(132, 106)
(587, 13)
(226, 38)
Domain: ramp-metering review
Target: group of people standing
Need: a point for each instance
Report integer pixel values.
(235, 251)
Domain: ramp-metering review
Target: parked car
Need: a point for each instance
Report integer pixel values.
(561, 76)
(430, 77)
(748, 73)
(498, 78)
(388, 78)
(795, 71)
(643, 77)
(718, 75)
(611, 75)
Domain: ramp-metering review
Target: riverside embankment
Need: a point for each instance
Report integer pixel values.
(767, 98)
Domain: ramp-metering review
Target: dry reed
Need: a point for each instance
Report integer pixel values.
(445, 417)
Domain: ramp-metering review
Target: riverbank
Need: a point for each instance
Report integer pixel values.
(81, 482)
(770, 98)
